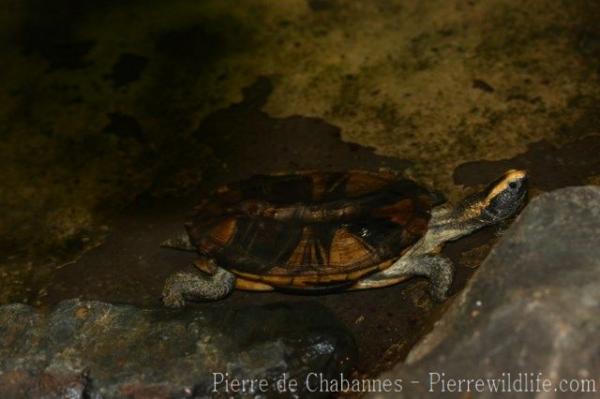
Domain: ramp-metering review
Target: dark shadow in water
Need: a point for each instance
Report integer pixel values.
(248, 141)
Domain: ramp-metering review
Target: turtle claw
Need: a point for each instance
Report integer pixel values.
(173, 301)
(172, 296)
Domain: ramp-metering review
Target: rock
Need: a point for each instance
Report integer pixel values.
(89, 349)
(531, 308)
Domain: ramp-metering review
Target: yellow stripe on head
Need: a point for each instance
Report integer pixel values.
(510, 176)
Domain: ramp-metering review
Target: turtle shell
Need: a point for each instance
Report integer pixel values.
(311, 229)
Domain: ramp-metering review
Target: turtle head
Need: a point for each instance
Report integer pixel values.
(500, 200)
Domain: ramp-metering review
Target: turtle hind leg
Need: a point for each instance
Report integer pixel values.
(437, 268)
(181, 242)
(195, 285)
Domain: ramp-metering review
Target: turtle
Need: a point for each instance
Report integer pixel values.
(316, 232)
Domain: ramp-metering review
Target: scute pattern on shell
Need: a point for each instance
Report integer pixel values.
(312, 227)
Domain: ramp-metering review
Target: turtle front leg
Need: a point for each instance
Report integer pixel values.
(437, 268)
(195, 285)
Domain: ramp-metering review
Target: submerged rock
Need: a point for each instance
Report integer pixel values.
(529, 317)
(89, 349)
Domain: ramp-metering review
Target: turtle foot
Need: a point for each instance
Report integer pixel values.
(195, 285)
(441, 272)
